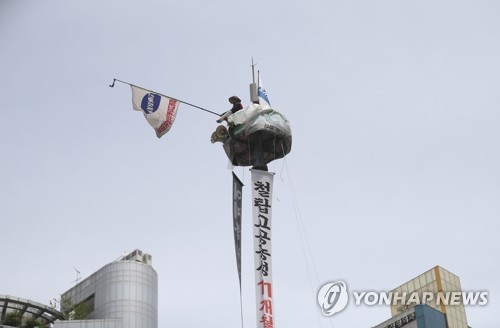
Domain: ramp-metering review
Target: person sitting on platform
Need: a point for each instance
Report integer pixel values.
(236, 102)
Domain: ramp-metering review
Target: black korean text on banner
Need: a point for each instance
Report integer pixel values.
(262, 188)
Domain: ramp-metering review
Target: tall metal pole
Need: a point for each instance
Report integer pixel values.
(253, 71)
(253, 86)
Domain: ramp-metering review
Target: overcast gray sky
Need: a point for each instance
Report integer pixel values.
(394, 107)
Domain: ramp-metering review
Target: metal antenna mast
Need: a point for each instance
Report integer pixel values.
(78, 277)
(253, 71)
(253, 86)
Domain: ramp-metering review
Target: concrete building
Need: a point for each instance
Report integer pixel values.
(428, 301)
(122, 294)
(437, 282)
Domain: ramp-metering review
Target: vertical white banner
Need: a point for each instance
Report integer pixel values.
(262, 191)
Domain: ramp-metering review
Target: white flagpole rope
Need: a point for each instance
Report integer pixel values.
(304, 242)
(181, 101)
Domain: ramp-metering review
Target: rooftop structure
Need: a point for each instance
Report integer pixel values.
(27, 310)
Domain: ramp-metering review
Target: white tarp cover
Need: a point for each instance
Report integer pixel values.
(255, 118)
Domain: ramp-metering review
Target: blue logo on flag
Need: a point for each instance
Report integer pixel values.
(150, 103)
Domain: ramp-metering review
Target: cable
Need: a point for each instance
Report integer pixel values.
(303, 238)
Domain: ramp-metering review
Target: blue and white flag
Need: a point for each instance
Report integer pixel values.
(263, 98)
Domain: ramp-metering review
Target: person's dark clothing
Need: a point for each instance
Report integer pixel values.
(236, 102)
(236, 107)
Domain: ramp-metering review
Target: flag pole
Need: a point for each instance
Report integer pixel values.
(253, 71)
(181, 101)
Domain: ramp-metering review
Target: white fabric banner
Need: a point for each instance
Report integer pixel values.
(262, 191)
(159, 111)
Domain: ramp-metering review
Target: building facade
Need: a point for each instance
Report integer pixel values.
(439, 283)
(419, 316)
(122, 294)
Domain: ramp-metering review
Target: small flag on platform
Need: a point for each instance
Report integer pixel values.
(159, 111)
(263, 98)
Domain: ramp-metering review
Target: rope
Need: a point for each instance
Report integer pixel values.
(249, 152)
(274, 152)
(303, 238)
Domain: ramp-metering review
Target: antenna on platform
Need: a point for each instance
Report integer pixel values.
(253, 70)
(253, 86)
(78, 276)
